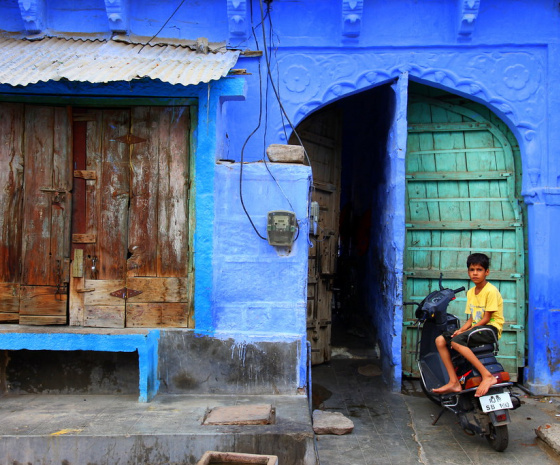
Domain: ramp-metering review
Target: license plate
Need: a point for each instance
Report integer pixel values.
(494, 402)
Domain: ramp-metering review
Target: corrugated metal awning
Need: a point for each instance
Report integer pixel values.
(24, 62)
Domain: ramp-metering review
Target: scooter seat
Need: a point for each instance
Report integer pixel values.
(483, 348)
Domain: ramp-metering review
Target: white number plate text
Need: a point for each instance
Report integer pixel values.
(494, 402)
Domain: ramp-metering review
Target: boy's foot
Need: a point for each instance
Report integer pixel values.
(448, 388)
(486, 384)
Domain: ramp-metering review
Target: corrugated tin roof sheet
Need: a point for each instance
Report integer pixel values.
(24, 62)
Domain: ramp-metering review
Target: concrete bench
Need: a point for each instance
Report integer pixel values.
(145, 342)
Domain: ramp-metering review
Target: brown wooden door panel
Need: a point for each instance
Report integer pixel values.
(104, 316)
(114, 194)
(159, 289)
(9, 303)
(43, 301)
(101, 309)
(11, 180)
(173, 230)
(46, 216)
(320, 135)
(37, 266)
(137, 208)
(157, 314)
(143, 217)
(159, 193)
(42, 305)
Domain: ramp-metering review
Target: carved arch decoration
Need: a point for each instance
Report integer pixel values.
(510, 83)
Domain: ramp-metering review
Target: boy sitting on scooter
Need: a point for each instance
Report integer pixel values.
(484, 326)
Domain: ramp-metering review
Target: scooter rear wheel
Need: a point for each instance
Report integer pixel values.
(435, 398)
(498, 437)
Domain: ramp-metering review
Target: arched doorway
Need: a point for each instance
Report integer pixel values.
(462, 161)
(463, 181)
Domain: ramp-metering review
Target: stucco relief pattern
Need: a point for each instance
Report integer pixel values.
(468, 15)
(32, 14)
(511, 82)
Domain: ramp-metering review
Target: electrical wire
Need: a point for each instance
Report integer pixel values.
(283, 115)
(164, 24)
(283, 112)
(266, 125)
(267, 59)
(249, 137)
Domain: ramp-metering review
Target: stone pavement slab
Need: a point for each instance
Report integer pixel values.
(550, 434)
(241, 415)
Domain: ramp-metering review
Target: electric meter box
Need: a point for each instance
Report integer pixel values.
(281, 228)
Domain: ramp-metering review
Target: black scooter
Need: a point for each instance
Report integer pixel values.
(486, 416)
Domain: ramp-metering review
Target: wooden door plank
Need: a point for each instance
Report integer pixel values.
(93, 145)
(143, 225)
(37, 268)
(9, 298)
(98, 292)
(114, 193)
(61, 201)
(43, 301)
(104, 316)
(11, 180)
(157, 315)
(42, 320)
(173, 222)
(159, 289)
(321, 140)
(101, 309)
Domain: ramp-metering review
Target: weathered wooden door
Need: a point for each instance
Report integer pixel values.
(35, 199)
(462, 198)
(320, 134)
(131, 255)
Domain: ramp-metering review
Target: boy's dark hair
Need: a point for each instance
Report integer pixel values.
(478, 259)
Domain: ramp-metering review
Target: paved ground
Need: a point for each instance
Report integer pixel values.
(395, 428)
(110, 430)
(390, 428)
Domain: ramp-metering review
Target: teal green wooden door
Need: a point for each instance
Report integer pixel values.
(461, 198)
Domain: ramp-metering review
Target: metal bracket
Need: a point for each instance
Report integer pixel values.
(125, 293)
(130, 139)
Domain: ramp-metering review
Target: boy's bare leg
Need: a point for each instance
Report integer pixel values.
(487, 379)
(453, 385)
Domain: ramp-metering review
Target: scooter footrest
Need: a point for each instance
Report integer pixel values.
(449, 400)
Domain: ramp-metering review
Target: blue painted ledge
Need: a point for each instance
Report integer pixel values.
(103, 340)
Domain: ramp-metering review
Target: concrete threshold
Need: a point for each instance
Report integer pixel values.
(105, 430)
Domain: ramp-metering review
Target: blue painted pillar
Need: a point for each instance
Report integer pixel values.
(208, 143)
(542, 374)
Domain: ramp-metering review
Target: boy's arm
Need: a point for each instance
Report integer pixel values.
(465, 327)
(485, 319)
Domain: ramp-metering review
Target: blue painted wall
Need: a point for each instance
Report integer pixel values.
(507, 58)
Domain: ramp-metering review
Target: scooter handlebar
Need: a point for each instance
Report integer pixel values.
(460, 289)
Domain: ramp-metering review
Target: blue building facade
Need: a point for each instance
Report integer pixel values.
(369, 64)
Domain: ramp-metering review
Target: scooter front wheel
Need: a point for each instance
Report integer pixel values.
(498, 437)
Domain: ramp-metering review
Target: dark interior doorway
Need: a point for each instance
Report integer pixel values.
(347, 142)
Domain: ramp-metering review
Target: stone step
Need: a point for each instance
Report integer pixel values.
(76, 430)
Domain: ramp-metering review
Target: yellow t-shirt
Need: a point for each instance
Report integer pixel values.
(488, 300)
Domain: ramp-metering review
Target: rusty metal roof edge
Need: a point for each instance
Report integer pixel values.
(97, 60)
(143, 40)
(108, 37)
